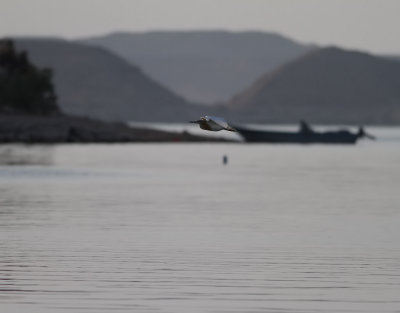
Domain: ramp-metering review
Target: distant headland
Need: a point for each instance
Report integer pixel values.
(29, 112)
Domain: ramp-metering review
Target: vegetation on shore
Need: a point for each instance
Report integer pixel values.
(24, 88)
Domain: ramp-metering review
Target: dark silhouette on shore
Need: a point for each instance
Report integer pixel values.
(305, 135)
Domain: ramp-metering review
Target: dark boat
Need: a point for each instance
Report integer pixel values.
(304, 135)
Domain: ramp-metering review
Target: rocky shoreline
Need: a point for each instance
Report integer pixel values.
(66, 129)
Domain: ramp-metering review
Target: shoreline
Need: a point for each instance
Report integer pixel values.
(32, 129)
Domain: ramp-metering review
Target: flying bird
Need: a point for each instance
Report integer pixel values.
(213, 123)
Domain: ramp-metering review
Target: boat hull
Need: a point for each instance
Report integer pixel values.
(337, 137)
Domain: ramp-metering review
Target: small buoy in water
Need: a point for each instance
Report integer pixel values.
(225, 160)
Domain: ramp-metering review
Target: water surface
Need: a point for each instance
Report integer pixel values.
(168, 228)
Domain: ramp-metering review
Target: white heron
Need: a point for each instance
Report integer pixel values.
(213, 123)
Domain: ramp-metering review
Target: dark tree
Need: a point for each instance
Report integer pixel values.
(24, 88)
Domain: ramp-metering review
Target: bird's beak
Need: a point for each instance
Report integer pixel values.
(195, 122)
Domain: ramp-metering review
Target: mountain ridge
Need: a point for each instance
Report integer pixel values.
(328, 85)
(202, 66)
(93, 82)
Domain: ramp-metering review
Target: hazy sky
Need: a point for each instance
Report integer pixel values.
(371, 25)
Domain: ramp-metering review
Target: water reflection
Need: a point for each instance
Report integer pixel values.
(19, 154)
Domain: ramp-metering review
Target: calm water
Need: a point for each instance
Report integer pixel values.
(168, 228)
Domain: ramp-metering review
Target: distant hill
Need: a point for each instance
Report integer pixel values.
(93, 82)
(203, 66)
(392, 57)
(329, 85)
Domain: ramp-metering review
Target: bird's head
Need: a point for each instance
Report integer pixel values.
(201, 120)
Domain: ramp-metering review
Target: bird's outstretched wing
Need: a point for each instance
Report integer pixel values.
(219, 121)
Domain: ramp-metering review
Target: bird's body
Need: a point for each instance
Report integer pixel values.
(213, 123)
